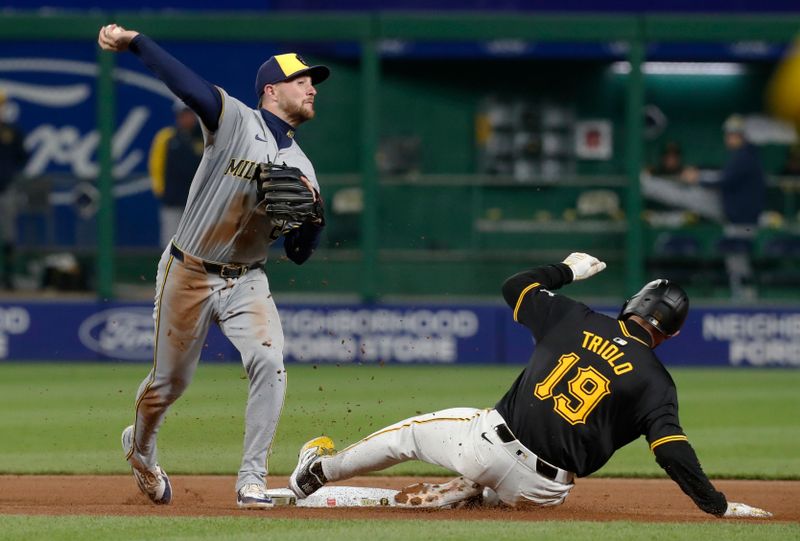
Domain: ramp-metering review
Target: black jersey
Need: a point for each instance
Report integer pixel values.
(592, 386)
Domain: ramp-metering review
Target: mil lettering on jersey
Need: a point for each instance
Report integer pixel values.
(241, 168)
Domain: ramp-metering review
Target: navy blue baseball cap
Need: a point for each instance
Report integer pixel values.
(283, 67)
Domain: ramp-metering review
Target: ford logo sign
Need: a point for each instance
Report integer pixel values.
(120, 333)
(52, 99)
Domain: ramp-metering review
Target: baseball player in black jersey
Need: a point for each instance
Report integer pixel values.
(592, 386)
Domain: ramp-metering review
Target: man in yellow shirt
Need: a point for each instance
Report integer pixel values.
(174, 156)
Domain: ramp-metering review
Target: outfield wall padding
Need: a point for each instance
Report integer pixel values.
(391, 333)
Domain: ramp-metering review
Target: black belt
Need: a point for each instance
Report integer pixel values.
(223, 270)
(542, 468)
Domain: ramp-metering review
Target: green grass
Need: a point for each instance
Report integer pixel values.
(741, 422)
(21, 528)
(67, 418)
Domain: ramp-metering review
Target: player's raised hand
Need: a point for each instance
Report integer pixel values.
(742, 510)
(583, 265)
(113, 37)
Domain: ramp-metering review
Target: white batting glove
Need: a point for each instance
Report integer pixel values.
(583, 265)
(741, 510)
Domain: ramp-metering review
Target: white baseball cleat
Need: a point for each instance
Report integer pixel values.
(253, 496)
(153, 483)
(742, 510)
(308, 476)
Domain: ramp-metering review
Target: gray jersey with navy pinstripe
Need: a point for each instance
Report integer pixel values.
(222, 221)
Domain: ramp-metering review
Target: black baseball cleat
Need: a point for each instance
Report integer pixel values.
(308, 476)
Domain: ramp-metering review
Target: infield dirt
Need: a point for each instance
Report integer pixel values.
(602, 499)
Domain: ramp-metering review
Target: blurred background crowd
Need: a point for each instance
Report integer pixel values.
(663, 143)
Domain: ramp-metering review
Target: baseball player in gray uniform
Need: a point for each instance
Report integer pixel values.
(212, 268)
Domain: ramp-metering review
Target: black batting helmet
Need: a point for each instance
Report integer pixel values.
(663, 304)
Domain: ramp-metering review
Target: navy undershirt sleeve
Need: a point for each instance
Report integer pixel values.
(300, 243)
(197, 93)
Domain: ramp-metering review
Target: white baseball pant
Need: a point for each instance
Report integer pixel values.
(469, 441)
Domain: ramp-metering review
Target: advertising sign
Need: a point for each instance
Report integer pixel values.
(50, 93)
(352, 333)
(314, 334)
(429, 334)
(741, 337)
